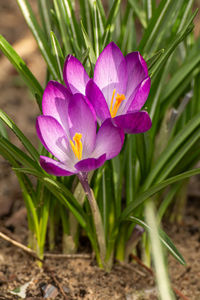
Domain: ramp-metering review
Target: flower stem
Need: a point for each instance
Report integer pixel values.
(96, 216)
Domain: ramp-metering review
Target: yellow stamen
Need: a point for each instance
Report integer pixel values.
(111, 104)
(77, 146)
(119, 99)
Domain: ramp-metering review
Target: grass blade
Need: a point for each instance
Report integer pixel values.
(171, 149)
(3, 131)
(88, 44)
(58, 54)
(26, 189)
(110, 25)
(22, 68)
(44, 10)
(86, 17)
(27, 144)
(157, 22)
(166, 241)
(155, 189)
(64, 29)
(39, 36)
(101, 12)
(18, 154)
(96, 29)
(76, 37)
(67, 199)
(182, 73)
(162, 277)
(139, 12)
(178, 155)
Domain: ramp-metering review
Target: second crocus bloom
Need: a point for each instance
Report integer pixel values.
(118, 90)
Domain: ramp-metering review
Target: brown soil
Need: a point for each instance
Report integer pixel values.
(79, 278)
(82, 279)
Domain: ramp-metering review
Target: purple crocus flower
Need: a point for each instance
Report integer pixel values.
(67, 129)
(118, 90)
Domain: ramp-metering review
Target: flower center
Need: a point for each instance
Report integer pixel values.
(77, 146)
(119, 98)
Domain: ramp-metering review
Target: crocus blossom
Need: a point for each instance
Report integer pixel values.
(68, 130)
(118, 90)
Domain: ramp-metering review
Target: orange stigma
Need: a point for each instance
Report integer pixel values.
(77, 146)
(119, 98)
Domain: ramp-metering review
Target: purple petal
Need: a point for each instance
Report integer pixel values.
(137, 71)
(54, 167)
(134, 122)
(139, 96)
(82, 120)
(110, 72)
(109, 140)
(75, 76)
(96, 98)
(52, 136)
(89, 164)
(55, 103)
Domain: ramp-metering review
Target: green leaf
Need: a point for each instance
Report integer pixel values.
(178, 155)
(196, 96)
(106, 37)
(128, 42)
(155, 189)
(106, 199)
(18, 154)
(110, 23)
(3, 131)
(182, 73)
(67, 199)
(60, 191)
(57, 51)
(150, 8)
(96, 28)
(153, 59)
(45, 198)
(180, 90)
(158, 254)
(178, 38)
(22, 68)
(27, 191)
(84, 56)
(44, 10)
(39, 36)
(27, 144)
(11, 159)
(163, 237)
(184, 13)
(117, 182)
(144, 153)
(76, 37)
(86, 15)
(131, 159)
(101, 11)
(64, 29)
(88, 45)
(168, 199)
(171, 149)
(157, 24)
(139, 12)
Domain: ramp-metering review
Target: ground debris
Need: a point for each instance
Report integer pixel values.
(21, 291)
(49, 291)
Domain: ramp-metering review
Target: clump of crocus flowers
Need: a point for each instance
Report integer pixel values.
(113, 98)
